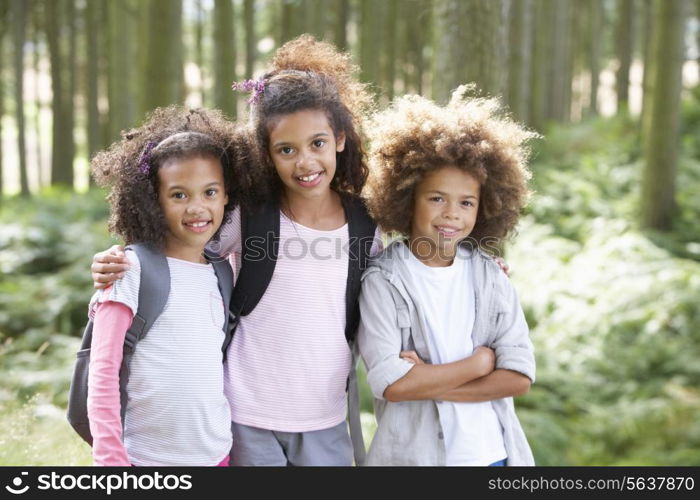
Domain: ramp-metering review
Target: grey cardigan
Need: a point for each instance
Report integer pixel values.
(409, 432)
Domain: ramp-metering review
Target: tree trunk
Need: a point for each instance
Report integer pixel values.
(485, 46)
(568, 77)
(293, 22)
(199, 47)
(68, 107)
(103, 74)
(560, 70)
(370, 22)
(314, 17)
(624, 47)
(121, 88)
(4, 23)
(390, 22)
(418, 22)
(470, 46)
(595, 33)
(61, 162)
(697, 39)
(520, 58)
(164, 84)
(93, 16)
(342, 11)
(37, 24)
(661, 131)
(648, 7)
(503, 41)
(140, 28)
(250, 39)
(286, 21)
(19, 19)
(224, 57)
(451, 56)
(541, 63)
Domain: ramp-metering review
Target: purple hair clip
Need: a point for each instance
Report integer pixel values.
(256, 87)
(145, 160)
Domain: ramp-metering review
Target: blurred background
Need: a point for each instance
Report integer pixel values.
(607, 257)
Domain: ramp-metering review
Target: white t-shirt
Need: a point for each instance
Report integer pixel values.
(472, 432)
(177, 412)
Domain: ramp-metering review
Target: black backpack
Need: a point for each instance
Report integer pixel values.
(260, 230)
(153, 295)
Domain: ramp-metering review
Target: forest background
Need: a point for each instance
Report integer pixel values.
(607, 257)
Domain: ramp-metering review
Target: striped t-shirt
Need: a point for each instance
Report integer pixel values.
(288, 363)
(177, 412)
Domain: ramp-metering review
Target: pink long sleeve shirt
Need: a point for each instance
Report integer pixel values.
(112, 320)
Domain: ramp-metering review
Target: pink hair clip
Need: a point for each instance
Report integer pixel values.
(256, 87)
(145, 160)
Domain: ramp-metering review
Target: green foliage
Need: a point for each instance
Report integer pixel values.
(585, 172)
(46, 245)
(690, 123)
(614, 312)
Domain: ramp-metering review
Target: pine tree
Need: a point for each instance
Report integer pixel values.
(224, 57)
(19, 20)
(520, 56)
(164, 74)
(662, 128)
(625, 46)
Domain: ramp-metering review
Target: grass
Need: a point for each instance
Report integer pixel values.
(36, 432)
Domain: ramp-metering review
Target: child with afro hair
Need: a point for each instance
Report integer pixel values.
(442, 332)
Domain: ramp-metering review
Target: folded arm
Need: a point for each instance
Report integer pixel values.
(515, 358)
(426, 381)
(496, 385)
(391, 376)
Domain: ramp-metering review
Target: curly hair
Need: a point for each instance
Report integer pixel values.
(309, 74)
(129, 168)
(415, 136)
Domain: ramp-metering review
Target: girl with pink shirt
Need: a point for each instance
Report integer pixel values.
(288, 366)
(171, 186)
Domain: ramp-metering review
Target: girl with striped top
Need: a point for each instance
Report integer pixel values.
(171, 186)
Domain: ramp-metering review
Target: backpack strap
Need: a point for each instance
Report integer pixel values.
(260, 235)
(154, 290)
(354, 420)
(224, 276)
(361, 229)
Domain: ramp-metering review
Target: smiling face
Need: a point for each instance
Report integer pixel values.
(303, 149)
(192, 196)
(446, 203)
